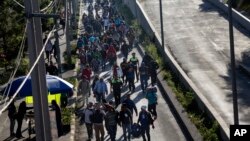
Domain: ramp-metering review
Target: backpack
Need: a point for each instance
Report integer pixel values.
(136, 130)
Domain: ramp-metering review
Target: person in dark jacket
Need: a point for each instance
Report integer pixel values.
(131, 78)
(58, 118)
(19, 117)
(145, 121)
(12, 114)
(52, 69)
(125, 116)
(130, 104)
(124, 66)
(143, 71)
(116, 84)
(111, 121)
(153, 71)
(98, 118)
(125, 49)
(147, 59)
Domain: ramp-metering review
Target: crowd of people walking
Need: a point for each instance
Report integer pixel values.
(106, 35)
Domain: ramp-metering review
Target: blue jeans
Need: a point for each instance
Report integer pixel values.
(126, 128)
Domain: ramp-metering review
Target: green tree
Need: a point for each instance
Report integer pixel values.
(11, 31)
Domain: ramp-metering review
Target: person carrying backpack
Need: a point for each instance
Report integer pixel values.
(145, 120)
(152, 100)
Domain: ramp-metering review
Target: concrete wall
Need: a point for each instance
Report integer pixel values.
(138, 12)
(241, 19)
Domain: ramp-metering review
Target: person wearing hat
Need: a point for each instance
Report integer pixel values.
(111, 121)
(145, 120)
(135, 62)
(84, 89)
(86, 118)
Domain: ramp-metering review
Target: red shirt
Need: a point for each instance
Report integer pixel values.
(87, 72)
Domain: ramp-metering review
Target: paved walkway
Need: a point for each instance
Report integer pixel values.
(166, 125)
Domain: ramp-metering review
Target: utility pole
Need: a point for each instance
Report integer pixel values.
(233, 72)
(162, 28)
(57, 44)
(38, 77)
(74, 13)
(68, 47)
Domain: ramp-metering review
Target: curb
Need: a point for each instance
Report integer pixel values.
(73, 116)
(188, 128)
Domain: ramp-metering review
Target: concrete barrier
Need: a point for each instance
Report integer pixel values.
(203, 103)
(237, 16)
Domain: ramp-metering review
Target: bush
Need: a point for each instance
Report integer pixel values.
(23, 68)
(66, 115)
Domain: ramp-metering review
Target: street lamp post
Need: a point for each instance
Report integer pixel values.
(233, 72)
(162, 29)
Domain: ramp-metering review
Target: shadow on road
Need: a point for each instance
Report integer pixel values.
(209, 7)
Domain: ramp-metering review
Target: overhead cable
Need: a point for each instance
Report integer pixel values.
(28, 75)
(18, 3)
(17, 62)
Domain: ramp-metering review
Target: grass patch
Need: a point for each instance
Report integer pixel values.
(208, 128)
